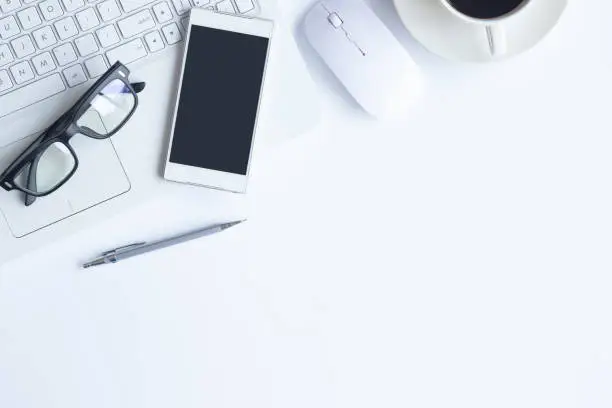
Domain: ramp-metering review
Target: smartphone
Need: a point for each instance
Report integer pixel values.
(221, 87)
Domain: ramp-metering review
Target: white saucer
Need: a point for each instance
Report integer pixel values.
(448, 36)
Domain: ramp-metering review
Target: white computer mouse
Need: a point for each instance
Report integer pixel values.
(369, 61)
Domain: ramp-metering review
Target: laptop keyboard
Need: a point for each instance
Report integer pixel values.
(49, 46)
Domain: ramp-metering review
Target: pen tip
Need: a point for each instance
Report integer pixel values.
(231, 224)
(96, 262)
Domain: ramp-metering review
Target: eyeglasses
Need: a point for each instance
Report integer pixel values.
(50, 161)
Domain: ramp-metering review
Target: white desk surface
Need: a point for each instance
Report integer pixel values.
(458, 259)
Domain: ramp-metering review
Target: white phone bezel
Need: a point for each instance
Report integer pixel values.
(198, 175)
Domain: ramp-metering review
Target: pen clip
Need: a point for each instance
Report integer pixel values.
(123, 248)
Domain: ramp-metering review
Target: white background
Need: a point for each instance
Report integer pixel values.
(460, 258)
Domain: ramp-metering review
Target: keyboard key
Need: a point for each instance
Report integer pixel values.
(226, 6)
(44, 37)
(65, 54)
(131, 5)
(128, 52)
(23, 46)
(96, 66)
(86, 45)
(75, 75)
(51, 9)
(8, 27)
(162, 12)
(5, 81)
(107, 36)
(66, 28)
(6, 56)
(22, 72)
(29, 18)
(43, 63)
(109, 10)
(201, 3)
(244, 6)
(72, 5)
(87, 19)
(172, 33)
(7, 6)
(181, 6)
(154, 41)
(136, 23)
(31, 93)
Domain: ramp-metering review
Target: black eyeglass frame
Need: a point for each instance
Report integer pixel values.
(64, 129)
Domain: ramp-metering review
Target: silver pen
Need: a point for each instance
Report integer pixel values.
(139, 248)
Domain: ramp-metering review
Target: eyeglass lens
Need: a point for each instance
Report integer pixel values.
(112, 105)
(49, 169)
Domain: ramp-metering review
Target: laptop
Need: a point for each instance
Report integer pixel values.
(51, 51)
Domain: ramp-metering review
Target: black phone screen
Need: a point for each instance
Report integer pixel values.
(219, 99)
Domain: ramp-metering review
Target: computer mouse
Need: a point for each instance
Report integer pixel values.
(365, 56)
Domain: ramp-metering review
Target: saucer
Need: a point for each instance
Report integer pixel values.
(434, 26)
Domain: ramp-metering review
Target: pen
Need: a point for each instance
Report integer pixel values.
(139, 248)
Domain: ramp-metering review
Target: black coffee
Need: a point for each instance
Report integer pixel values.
(486, 9)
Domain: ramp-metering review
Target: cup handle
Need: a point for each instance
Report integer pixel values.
(496, 36)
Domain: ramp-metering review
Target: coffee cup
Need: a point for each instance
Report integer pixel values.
(491, 15)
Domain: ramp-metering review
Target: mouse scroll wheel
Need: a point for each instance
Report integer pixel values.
(335, 20)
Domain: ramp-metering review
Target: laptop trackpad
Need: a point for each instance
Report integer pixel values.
(99, 178)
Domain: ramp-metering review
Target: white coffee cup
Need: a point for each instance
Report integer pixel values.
(494, 27)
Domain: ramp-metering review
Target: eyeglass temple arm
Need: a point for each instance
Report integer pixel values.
(139, 86)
